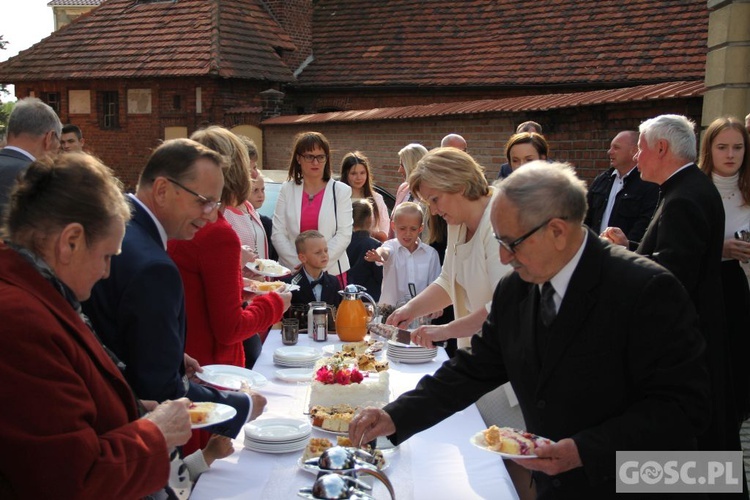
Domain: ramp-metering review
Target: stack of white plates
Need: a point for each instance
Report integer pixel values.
(296, 356)
(277, 435)
(413, 354)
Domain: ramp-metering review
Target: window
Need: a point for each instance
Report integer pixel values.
(177, 102)
(52, 99)
(108, 110)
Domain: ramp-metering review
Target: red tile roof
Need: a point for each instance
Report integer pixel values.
(73, 3)
(506, 42)
(122, 39)
(669, 90)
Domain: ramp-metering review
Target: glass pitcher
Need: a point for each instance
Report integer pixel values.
(352, 316)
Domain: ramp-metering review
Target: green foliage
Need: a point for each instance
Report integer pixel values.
(5, 109)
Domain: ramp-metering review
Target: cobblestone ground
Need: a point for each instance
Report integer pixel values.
(745, 437)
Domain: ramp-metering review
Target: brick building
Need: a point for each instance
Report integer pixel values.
(373, 76)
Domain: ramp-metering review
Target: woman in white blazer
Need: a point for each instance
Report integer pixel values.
(312, 199)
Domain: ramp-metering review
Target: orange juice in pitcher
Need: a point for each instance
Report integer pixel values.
(352, 315)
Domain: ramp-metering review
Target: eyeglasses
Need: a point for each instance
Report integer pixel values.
(511, 247)
(314, 158)
(208, 205)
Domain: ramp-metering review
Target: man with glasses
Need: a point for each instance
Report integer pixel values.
(600, 345)
(33, 132)
(139, 312)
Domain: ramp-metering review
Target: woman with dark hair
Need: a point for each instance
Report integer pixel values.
(71, 427)
(311, 199)
(725, 156)
(525, 147)
(356, 173)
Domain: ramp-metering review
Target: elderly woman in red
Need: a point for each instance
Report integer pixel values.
(210, 265)
(70, 425)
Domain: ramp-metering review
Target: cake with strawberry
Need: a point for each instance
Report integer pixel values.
(336, 381)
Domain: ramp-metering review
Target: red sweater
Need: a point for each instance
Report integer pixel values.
(216, 322)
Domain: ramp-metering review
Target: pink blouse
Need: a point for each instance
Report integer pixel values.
(310, 211)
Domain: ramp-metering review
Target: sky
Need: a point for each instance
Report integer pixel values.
(22, 24)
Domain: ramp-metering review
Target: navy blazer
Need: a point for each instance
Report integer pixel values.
(12, 163)
(367, 274)
(139, 313)
(634, 204)
(623, 368)
(329, 294)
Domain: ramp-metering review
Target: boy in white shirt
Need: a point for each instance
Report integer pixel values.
(406, 260)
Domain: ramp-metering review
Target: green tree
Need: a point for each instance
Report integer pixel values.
(3, 90)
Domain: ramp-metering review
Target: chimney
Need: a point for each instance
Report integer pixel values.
(272, 100)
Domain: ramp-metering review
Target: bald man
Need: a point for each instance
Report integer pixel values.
(618, 196)
(453, 141)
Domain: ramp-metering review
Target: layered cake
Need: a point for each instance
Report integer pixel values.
(338, 381)
(335, 418)
(199, 412)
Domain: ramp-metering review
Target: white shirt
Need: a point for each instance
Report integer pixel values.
(617, 186)
(561, 280)
(421, 267)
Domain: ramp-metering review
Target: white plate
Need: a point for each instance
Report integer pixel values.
(312, 469)
(331, 349)
(277, 429)
(230, 377)
(221, 413)
(326, 431)
(297, 353)
(478, 441)
(253, 266)
(277, 450)
(287, 288)
(294, 374)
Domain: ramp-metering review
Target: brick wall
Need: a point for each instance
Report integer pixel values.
(127, 147)
(578, 135)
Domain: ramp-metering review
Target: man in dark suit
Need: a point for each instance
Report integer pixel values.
(139, 312)
(33, 132)
(618, 196)
(605, 357)
(686, 235)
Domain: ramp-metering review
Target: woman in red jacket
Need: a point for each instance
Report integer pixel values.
(70, 426)
(210, 264)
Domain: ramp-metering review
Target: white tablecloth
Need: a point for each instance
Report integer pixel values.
(438, 463)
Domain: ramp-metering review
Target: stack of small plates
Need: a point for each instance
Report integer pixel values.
(296, 356)
(401, 353)
(277, 435)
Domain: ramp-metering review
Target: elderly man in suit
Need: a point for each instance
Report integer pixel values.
(686, 235)
(618, 196)
(33, 131)
(139, 312)
(600, 345)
